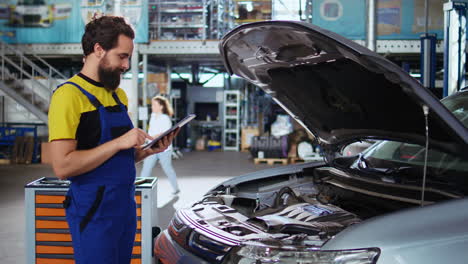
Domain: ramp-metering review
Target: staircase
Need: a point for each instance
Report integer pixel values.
(29, 80)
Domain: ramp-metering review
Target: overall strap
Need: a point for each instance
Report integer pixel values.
(94, 101)
(117, 100)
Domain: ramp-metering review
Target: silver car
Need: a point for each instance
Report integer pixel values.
(399, 201)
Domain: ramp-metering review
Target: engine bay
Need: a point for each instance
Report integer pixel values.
(301, 209)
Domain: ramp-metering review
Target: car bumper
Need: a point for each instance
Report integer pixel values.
(168, 251)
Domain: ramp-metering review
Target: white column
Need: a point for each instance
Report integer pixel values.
(169, 82)
(133, 96)
(145, 86)
(371, 25)
(454, 46)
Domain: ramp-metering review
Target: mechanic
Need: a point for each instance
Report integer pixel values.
(94, 145)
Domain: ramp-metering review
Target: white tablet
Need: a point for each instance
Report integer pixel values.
(179, 124)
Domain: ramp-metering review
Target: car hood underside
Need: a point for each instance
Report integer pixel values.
(337, 89)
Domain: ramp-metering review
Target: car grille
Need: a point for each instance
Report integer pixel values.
(28, 19)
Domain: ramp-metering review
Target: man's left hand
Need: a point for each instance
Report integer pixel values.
(158, 147)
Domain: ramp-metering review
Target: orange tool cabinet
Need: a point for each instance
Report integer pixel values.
(48, 239)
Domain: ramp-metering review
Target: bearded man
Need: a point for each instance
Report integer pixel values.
(95, 146)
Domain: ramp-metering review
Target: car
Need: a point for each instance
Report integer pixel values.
(35, 13)
(401, 200)
(32, 13)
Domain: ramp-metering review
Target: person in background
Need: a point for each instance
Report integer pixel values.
(160, 121)
(95, 146)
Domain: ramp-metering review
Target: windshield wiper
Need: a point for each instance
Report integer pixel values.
(363, 164)
(398, 169)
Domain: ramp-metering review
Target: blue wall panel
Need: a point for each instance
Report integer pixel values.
(62, 21)
(345, 17)
(396, 19)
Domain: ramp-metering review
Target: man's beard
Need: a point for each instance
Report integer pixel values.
(110, 78)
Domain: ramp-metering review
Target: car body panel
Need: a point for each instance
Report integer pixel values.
(342, 93)
(299, 64)
(412, 236)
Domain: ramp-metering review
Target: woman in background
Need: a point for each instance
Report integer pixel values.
(160, 121)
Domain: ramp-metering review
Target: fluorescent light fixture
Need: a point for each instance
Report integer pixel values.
(216, 81)
(187, 76)
(128, 75)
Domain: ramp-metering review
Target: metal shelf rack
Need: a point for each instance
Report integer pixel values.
(190, 19)
(178, 20)
(231, 120)
(221, 14)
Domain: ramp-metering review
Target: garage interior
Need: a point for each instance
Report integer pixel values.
(239, 128)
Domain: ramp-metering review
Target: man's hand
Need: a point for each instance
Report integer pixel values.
(131, 139)
(158, 147)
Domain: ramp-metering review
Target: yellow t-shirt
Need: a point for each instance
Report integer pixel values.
(72, 116)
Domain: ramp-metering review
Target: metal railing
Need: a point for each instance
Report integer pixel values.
(17, 69)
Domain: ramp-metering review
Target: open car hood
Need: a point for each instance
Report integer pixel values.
(337, 89)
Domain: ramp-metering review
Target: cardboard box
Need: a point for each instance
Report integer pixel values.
(200, 144)
(22, 150)
(157, 83)
(157, 77)
(162, 88)
(247, 133)
(292, 151)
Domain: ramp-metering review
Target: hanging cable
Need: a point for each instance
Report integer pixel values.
(426, 117)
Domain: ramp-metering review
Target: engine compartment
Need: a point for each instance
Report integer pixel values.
(301, 208)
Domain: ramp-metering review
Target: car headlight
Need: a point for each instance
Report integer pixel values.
(178, 230)
(260, 253)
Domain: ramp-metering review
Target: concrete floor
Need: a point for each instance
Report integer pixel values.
(197, 172)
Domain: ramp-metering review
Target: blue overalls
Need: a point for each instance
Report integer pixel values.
(100, 204)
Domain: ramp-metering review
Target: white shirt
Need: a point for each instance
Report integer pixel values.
(158, 124)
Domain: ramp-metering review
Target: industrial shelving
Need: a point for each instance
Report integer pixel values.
(231, 120)
(190, 19)
(178, 20)
(221, 18)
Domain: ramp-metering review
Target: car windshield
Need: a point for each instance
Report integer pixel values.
(388, 156)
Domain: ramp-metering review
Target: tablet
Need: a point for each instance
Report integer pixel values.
(181, 123)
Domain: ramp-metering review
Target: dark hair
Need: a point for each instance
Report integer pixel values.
(167, 108)
(105, 30)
